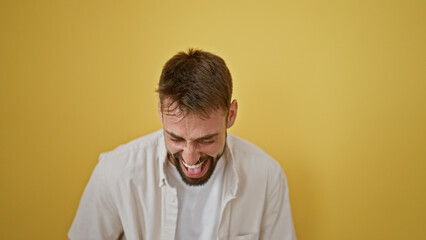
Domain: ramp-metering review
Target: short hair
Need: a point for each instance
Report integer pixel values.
(198, 82)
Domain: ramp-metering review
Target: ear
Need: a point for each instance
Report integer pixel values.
(232, 115)
(160, 111)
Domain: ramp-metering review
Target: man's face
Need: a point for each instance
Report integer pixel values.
(194, 145)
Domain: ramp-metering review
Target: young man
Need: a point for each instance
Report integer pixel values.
(190, 180)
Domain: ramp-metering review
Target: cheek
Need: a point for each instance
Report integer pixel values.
(174, 147)
(213, 149)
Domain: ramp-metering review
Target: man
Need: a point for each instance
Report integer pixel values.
(190, 180)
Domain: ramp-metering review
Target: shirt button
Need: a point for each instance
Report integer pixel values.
(173, 200)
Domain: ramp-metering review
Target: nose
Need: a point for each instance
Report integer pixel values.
(190, 154)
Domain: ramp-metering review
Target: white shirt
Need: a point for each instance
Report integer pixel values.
(198, 214)
(128, 196)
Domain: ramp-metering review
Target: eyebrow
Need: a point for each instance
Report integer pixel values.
(206, 137)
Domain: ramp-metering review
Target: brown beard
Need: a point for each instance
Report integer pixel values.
(177, 157)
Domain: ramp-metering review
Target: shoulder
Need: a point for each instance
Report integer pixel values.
(249, 157)
(135, 156)
(243, 150)
(145, 143)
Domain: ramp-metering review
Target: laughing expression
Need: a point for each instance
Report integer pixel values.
(195, 144)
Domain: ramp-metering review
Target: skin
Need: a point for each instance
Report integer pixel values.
(192, 139)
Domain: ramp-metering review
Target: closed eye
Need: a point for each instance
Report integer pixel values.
(176, 140)
(205, 141)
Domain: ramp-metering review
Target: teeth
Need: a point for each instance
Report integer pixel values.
(193, 166)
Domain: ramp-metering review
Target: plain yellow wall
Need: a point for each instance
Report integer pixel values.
(334, 90)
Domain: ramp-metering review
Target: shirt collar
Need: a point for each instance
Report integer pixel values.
(162, 158)
(231, 179)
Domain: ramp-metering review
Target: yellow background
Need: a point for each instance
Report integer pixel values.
(334, 90)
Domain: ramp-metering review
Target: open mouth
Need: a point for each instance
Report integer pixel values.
(197, 170)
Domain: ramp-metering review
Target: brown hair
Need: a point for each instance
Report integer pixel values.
(197, 81)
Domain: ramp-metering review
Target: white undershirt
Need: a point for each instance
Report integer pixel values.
(198, 206)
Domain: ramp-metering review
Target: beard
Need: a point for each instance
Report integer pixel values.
(208, 161)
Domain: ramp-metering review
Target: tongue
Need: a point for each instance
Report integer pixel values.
(194, 170)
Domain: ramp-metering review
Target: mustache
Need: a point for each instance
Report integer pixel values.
(178, 156)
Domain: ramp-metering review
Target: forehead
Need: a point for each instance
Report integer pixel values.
(172, 109)
(192, 126)
(177, 107)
